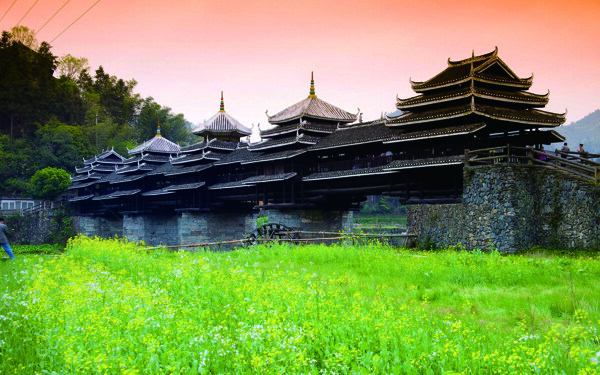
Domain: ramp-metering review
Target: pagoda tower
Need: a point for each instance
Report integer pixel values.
(222, 127)
(480, 91)
(303, 124)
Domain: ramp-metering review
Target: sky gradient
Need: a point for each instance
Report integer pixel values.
(261, 53)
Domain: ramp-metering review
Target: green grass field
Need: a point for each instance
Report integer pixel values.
(109, 306)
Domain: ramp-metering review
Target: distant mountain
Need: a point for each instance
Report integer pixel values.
(586, 131)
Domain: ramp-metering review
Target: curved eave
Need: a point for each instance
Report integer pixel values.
(522, 98)
(423, 86)
(423, 163)
(523, 83)
(524, 117)
(346, 174)
(436, 133)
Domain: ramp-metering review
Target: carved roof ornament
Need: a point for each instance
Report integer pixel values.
(312, 93)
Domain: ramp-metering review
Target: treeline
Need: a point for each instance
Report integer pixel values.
(55, 111)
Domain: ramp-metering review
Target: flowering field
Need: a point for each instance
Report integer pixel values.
(109, 306)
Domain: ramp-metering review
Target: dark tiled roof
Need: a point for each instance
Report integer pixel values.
(236, 156)
(93, 176)
(183, 170)
(355, 134)
(191, 186)
(229, 185)
(305, 125)
(157, 144)
(81, 198)
(82, 185)
(213, 144)
(529, 116)
(268, 178)
(122, 179)
(190, 158)
(117, 194)
(222, 124)
(157, 192)
(135, 168)
(271, 143)
(110, 156)
(106, 168)
(474, 67)
(260, 157)
(312, 107)
(346, 174)
(403, 164)
(436, 133)
(87, 168)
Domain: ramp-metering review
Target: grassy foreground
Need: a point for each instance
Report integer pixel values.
(108, 306)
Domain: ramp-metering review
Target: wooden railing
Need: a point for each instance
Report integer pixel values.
(577, 164)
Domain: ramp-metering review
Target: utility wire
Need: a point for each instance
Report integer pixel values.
(50, 19)
(9, 8)
(88, 9)
(18, 23)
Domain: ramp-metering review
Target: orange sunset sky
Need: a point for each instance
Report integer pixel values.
(261, 53)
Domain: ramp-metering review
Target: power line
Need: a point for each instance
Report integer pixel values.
(88, 9)
(18, 23)
(50, 19)
(9, 8)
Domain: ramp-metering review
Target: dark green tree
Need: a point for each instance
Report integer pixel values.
(49, 183)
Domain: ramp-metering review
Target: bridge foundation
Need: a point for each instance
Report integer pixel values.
(513, 208)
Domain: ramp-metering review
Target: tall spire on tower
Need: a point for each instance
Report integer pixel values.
(312, 86)
(222, 108)
(158, 130)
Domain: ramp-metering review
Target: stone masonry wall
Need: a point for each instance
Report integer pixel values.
(514, 208)
(312, 220)
(99, 226)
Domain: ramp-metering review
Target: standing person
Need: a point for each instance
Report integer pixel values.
(4, 240)
(565, 148)
(542, 156)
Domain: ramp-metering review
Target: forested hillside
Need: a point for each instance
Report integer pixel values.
(586, 131)
(54, 111)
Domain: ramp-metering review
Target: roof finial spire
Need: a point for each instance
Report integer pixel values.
(312, 86)
(222, 108)
(158, 130)
(472, 53)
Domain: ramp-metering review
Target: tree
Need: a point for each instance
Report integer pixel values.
(61, 145)
(72, 67)
(24, 35)
(49, 183)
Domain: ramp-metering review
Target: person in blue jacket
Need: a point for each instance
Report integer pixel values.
(4, 239)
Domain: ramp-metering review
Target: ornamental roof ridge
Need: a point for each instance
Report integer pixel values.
(473, 58)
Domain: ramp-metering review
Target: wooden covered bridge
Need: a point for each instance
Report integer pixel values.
(316, 156)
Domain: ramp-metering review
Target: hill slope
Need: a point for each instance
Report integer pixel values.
(586, 131)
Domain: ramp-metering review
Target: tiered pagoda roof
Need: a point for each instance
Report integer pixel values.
(478, 89)
(158, 144)
(302, 124)
(95, 170)
(222, 125)
(312, 108)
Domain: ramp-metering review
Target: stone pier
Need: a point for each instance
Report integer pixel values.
(513, 208)
(204, 227)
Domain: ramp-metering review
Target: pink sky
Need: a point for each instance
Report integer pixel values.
(261, 53)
